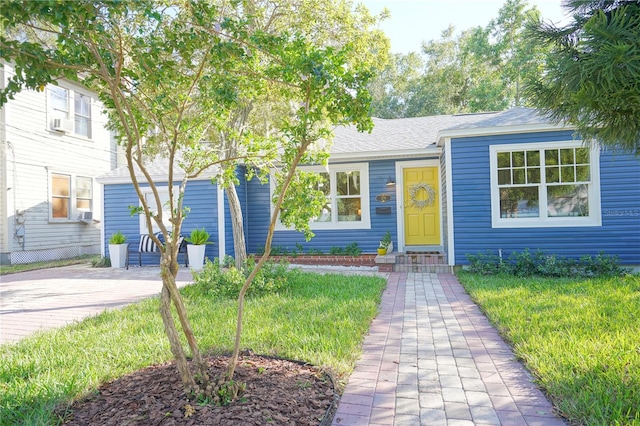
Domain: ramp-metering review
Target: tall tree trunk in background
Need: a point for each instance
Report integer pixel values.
(235, 210)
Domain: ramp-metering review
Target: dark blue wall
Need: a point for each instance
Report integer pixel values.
(200, 196)
(368, 239)
(620, 204)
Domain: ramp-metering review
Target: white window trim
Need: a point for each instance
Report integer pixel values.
(143, 218)
(364, 223)
(74, 211)
(595, 216)
(70, 115)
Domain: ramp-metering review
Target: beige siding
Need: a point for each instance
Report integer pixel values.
(4, 221)
(33, 153)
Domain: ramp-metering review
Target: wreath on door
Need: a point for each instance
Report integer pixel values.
(414, 190)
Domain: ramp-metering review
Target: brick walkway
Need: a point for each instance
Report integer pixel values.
(432, 358)
(48, 298)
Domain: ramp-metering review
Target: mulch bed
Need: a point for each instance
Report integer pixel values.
(278, 392)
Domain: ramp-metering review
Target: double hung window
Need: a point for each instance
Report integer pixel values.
(70, 195)
(346, 188)
(82, 113)
(69, 111)
(544, 185)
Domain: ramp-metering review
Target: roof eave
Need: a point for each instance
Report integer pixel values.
(177, 178)
(501, 130)
(431, 150)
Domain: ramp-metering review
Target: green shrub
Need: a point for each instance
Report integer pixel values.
(277, 251)
(485, 263)
(228, 261)
(198, 237)
(602, 266)
(526, 264)
(336, 250)
(352, 249)
(523, 264)
(101, 262)
(215, 281)
(117, 238)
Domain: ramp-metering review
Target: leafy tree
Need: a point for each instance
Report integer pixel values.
(329, 23)
(592, 78)
(481, 69)
(172, 73)
(392, 89)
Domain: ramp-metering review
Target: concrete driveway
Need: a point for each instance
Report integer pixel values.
(49, 298)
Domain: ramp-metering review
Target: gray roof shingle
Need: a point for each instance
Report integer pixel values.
(396, 135)
(400, 133)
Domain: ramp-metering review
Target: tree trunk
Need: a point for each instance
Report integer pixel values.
(188, 382)
(235, 210)
(168, 271)
(233, 362)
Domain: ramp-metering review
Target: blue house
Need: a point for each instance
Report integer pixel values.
(444, 186)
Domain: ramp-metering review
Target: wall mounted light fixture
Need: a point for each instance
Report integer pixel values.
(391, 181)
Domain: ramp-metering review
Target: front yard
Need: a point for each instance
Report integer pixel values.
(320, 319)
(579, 337)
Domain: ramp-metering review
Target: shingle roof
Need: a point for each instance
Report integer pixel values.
(396, 135)
(511, 117)
(157, 168)
(400, 133)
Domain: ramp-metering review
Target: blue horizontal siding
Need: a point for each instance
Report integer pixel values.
(200, 197)
(620, 203)
(368, 239)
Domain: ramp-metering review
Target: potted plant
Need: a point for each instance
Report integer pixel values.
(118, 250)
(385, 244)
(198, 240)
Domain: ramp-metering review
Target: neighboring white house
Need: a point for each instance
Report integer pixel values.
(53, 143)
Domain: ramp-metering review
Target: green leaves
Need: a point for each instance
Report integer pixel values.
(592, 79)
(481, 69)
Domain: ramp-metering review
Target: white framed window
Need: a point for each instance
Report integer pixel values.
(346, 187)
(163, 193)
(82, 110)
(59, 100)
(66, 116)
(70, 196)
(550, 184)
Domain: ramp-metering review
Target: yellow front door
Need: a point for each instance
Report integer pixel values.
(421, 206)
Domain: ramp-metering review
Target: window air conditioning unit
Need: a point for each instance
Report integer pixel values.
(86, 216)
(61, 125)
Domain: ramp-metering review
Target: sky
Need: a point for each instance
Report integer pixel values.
(415, 21)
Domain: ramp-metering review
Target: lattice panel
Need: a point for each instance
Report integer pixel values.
(32, 256)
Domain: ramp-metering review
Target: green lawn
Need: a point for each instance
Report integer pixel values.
(579, 337)
(318, 318)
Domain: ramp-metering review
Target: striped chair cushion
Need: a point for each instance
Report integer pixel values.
(147, 245)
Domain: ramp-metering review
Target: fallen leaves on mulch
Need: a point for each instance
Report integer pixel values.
(278, 392)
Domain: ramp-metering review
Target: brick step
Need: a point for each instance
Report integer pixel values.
(432, 262)
(421, 268)
(421, 259)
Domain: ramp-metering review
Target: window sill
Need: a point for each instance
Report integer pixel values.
(330, 226)
(69, 135)
(564, 222)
